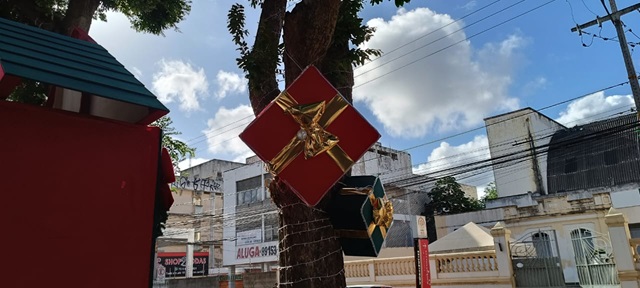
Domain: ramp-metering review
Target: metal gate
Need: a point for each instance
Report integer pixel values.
(594, 259)
(536, 260)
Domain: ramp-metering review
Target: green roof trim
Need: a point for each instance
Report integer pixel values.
(40, 55)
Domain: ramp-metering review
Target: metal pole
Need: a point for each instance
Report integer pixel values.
(628, 62)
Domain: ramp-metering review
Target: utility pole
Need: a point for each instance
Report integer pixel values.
(628, 62)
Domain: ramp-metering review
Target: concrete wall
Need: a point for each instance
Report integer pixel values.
(485, 218)
(260, 280)
(198, 282)
(509, 137)
(211, 169)
(387, 163)
(469, 191)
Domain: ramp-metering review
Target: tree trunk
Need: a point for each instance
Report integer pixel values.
(310, 253)
(308, 34)
(79, 14)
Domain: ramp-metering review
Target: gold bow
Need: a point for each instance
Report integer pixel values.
(382, 213)
(312, 139)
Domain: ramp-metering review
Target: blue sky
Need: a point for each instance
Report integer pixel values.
(440, 75)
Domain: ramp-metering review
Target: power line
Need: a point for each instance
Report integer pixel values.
(440, 38)
(431, 32)
(386, 53)
(510, 161)
(455, 43)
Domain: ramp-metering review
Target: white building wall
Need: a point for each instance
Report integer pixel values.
(243, 254)
(508, 136)
(387, 163)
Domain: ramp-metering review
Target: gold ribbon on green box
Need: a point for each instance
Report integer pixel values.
(312, 139)
(382, 214)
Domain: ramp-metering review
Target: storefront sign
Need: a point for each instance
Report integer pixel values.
(249, 237)
(257, 251)
(175, 264)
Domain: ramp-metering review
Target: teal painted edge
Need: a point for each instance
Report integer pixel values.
(45, 60)
(103, 59)
(119, 85)
(53, 37)
(106, 91)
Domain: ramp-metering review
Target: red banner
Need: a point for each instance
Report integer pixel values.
(425, 273)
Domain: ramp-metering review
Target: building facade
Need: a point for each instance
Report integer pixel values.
(556, 186)
(250, 230)
(195, 218)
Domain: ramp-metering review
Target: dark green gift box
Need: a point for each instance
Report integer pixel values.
(361, 215)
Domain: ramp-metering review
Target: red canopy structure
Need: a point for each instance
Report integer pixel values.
(83, 177)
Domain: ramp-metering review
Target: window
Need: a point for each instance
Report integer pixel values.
(571, 165)
(583, 248)
(270, 227)
(610, 157)
(251, 183)
(270, 233)
(247, 196)
(634, 229)
(542, 244)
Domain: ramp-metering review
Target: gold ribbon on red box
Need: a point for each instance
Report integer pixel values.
(312, 139)
(309, 136)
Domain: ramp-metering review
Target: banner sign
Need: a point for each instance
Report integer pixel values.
(249, 237)
(175, 264)
(421, 249)
(257, 251)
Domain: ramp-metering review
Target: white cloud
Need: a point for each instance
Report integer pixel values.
(594, 107)
(223, 130)
(453, 89)
(187, 163)
(179, 81)
(229, 82)
(136, 72)
(469, 6)
(534, 85)
(447, 156)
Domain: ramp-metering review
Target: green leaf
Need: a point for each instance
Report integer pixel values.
(178, 150)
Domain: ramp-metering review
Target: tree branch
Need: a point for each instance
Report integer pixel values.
(262, 61)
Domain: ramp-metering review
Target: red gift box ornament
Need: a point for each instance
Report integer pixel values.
(309, 136)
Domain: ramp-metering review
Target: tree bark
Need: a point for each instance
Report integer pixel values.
(79, 14)
(263, 58)
(308, 34)
(310, 253)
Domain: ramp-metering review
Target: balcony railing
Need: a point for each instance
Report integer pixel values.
(482, 261)
(388, 270)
